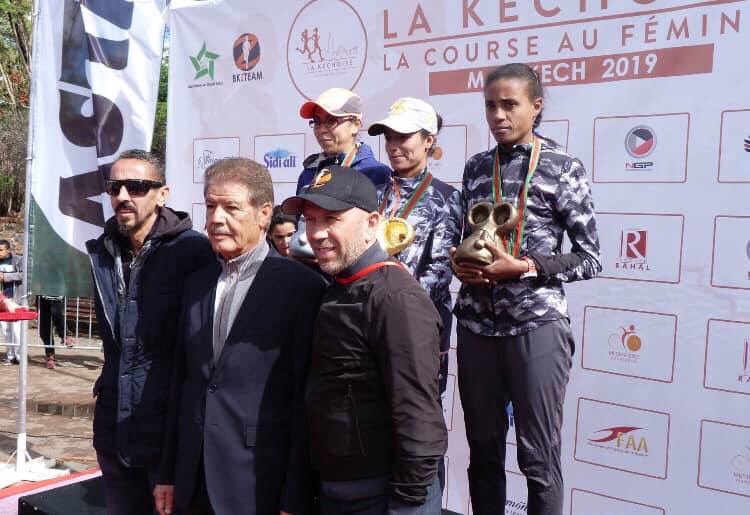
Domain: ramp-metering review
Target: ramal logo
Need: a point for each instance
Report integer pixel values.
(327, 43)
(246, 54)
(633, 250)
(280, 158)
(625, 344)
(622, 439)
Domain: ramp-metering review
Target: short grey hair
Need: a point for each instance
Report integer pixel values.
(253, 175)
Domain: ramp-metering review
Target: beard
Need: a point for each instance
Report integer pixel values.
(350, 254)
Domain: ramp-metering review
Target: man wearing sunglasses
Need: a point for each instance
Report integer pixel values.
(139, 266)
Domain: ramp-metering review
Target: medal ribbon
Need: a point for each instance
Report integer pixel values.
(350, 156)
(366, 271)
(513, 243)
(414, 198)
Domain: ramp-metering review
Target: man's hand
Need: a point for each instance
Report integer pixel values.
(8, 305)
(164, 499)
(504, 265)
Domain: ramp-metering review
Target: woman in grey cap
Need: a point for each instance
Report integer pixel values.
(335, 118)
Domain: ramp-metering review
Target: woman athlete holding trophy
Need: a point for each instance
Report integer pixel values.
(421, 214)
(514, 339)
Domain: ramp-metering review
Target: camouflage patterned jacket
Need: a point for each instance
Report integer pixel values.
(559, 201)
(436, 221)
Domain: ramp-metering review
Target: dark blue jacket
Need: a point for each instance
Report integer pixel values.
(139, 333)
(364, 162)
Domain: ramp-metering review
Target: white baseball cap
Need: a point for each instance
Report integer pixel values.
(406, 116)
(334, 101)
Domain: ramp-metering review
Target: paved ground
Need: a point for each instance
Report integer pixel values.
(59, 406)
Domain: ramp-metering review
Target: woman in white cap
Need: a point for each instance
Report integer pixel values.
(335, 118)
(430, 206)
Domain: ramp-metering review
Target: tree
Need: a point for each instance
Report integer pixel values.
(15, 77)
(159, 141)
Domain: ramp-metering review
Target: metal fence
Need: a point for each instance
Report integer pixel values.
(79, 322)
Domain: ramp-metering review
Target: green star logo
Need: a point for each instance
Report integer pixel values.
(203, 63)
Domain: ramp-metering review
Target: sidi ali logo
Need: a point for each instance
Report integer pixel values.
(204, 66)
(327, 43)
(741, 466)
(625, 344)
(246, 54)
(622, 439)
(280, 158)
(633, 250)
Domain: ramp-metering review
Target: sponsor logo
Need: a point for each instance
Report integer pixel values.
(204, 66)
(206, 159)
(744, 376)
(246, 54)
(323, 178)
(747, 144)
(633, 250)
(741, 466)
(621, 439)
(625, 345)
(326, 45)
(640, 142)
(513, 507)
(280, 158)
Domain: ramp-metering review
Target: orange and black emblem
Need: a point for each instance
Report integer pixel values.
(323, 178)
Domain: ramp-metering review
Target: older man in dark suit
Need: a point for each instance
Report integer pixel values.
(237, 435)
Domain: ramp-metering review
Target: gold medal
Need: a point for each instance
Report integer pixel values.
(395, 234)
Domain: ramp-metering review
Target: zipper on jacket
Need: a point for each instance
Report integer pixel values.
(356, 419)
(101, 299)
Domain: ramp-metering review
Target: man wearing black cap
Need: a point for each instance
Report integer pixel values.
(376, 426)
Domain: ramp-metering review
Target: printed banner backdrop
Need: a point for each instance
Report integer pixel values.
(652, 96)
(95, 79)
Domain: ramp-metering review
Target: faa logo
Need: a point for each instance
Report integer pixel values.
(280, 158)
(640, 142)
(623, 439)
(327, 43)
(246, 54)
(204, 67)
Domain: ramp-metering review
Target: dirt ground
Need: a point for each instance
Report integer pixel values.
(59, 406)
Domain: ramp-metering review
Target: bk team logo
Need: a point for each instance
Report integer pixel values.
(246, 52)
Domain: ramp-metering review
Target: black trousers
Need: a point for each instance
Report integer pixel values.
(128, 491)
(50, 311)
(531, 371)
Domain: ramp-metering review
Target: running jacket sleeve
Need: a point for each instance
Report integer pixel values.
(437, 275)
(575, 207)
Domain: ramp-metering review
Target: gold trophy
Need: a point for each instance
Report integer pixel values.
(395, 234)
(490, 223)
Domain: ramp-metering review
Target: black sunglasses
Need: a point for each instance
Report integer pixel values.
(135, 187)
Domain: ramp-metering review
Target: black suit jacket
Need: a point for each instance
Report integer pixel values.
(244, 416)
